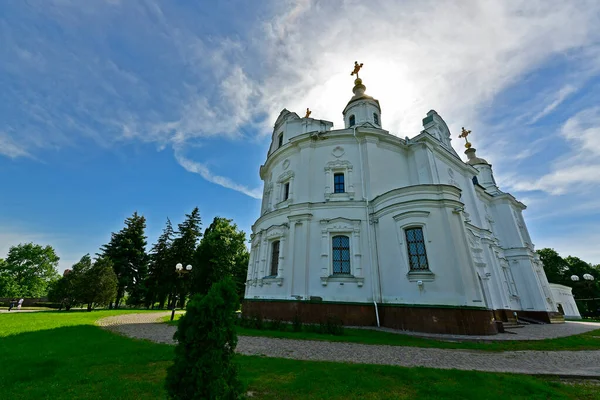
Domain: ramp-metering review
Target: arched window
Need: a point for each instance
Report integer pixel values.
(352, 120)
(341, 255)
(475, 181)
(274, 257)
(376, 118)
(280, 140)
(417, 256)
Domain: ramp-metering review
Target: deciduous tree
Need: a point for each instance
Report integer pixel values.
(221, 253)
(29, 269)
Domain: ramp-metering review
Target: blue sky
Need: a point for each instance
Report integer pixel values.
(113, 106)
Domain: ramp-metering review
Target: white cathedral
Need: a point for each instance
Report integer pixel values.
(373, 229)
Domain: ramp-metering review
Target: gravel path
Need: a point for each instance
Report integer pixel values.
(563, 363)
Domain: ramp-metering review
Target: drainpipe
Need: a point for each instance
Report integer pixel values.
(362, 178)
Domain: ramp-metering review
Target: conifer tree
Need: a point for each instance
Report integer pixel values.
(206, 336)
(183, 250)
(161, 275)
(127, 253)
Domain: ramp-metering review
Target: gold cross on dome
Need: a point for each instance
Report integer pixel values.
(357, 68)
(308, 112)
(464, 134)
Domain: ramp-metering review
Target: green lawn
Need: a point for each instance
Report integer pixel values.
(60, 355)
(586, 341)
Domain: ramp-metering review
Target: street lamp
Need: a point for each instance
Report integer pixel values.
(179, 269)
(589, 278)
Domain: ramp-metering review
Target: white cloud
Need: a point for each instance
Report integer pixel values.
(561, 96)
(578, 170)
(9, 148)
(452, 56)
(205, 173)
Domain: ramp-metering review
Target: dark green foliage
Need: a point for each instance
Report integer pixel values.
(222, 252)
(28, 271)
(93, 284)
(161, 274)
(182, 251)
(297, 323)
(203, 366)
(277, 325)
(127, 252)
(559, 270)
(63, 292)
(331, 325)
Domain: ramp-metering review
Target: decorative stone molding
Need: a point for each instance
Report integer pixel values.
(416, 218)
(344, 167)
(286, 164)
(350, 228)
(476, 249)
(286, 177)
(338, 151)
(268, 236)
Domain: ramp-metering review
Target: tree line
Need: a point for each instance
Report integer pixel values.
(123, 272)
(560, 270)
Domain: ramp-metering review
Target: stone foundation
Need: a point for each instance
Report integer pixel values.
(448, 320)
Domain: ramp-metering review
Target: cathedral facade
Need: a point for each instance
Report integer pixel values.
(373, 229)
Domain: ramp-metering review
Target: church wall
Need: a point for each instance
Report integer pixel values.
(386, 168)
(447, 284)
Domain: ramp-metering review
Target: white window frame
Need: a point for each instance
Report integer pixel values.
(343, 167)
(286, 177)
(414, 219)
(270, 235)
(341, 227)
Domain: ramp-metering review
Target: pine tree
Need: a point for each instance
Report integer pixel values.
(183, 250)
(127, 253)
(203, 367)
(161, 276)
(222, 253)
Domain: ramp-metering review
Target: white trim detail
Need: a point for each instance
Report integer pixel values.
(339, 166)
(335, 227)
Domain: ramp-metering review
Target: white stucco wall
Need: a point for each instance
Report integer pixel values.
(478, 249)
(563, 295)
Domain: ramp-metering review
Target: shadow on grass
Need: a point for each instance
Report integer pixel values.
(86, 362)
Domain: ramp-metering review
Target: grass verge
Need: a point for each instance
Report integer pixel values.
(64, 356)
(585, 341)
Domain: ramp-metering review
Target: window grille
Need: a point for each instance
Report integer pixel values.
(417, 256)
(341, 255)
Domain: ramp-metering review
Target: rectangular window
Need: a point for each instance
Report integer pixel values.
(280, 140)
(286, 191)
(417, 256)
(341, 255)
(338, 183)
(376, 118)
(274, 257)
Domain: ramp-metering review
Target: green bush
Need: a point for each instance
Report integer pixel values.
(277, 325)
(204, 367)
(297, 323)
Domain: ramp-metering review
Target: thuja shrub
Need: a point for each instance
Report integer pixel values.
(204, 367)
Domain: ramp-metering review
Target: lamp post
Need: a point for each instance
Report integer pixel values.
(587, 277)
(179, 270)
